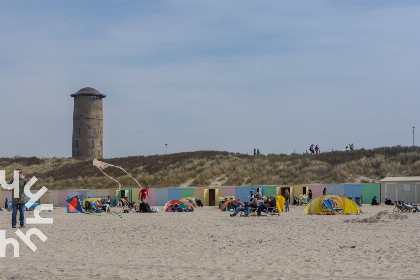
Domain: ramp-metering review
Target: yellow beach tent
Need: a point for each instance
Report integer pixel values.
(332, 204)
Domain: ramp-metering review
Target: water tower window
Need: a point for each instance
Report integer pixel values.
(77, 153)
(93, 143)
(94, 130)
(80, 130)
(76, 143)
(101, 143)
(94, 153)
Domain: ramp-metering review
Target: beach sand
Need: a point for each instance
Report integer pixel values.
(209, 244)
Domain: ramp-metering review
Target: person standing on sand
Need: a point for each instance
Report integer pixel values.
(144, 192)
(310, 195)
(324, 192)
(287, 200)
(19, 203)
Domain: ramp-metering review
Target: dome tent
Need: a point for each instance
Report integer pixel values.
(332, 204)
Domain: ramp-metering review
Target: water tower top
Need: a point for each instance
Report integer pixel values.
(88, 92)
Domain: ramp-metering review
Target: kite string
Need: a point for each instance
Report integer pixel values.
(119, 184)
(138, 184)
(119, 167)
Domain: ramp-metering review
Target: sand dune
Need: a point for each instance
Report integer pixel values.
(209, 244)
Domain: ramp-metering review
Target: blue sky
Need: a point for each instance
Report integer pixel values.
(210, 75)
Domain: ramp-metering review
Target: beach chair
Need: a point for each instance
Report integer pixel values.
(253, 212)
(272, 210)
(126, 206)
(399, 207)
(410, 208)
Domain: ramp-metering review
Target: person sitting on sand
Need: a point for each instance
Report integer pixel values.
(398, 206)
(176, 208)
(109, 201)
(374, 201)
(126, 205)
(235, 204)
(241, 208)
(144, 207)
(253, 205)
(270, 202)
(411, 207)
(199, 203)
(388, 201)
(189, 207)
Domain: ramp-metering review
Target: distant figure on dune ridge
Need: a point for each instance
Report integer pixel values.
(312, 149)
(317, 150)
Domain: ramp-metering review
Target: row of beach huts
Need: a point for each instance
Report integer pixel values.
(394, 188)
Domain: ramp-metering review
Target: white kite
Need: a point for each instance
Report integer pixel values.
(102, 165)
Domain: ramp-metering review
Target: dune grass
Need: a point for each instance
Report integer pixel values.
(202, 168)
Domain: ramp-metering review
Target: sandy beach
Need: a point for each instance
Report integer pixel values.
(209, 244)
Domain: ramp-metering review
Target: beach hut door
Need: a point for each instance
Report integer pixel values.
(118, 196)
(212, 197)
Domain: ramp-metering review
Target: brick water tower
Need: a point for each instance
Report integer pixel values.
(87, 141)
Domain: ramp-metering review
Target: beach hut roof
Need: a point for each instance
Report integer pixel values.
(401, 179)
(88, 91)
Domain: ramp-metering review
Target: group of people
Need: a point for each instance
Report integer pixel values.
(257, 204)
(142, 207)
(189, 207)
(350, 146)
(256, 152)
(314, 149)
(405, 206)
